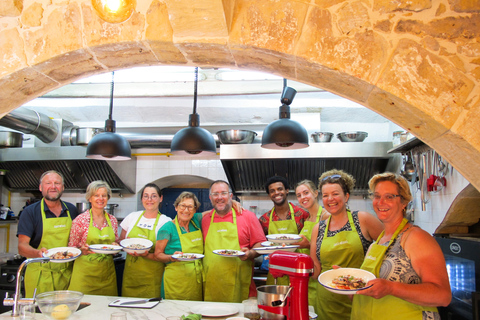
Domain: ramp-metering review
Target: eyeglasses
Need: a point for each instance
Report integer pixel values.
(387, 197)
(153, 197)
(183, 207)
(218, 194)
(333, 176)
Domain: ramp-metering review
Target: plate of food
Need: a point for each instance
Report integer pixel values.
(272, 249)
(214, 309)
(229, 253)
(345, 280)
(136, 245)
(284, 238)
(62, 254)
(105, 248)
(187, 256)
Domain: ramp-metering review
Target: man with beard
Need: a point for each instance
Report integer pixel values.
(45, 225)
(229, 279)
(284, 218)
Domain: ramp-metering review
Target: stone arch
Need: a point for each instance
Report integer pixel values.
(416, 63)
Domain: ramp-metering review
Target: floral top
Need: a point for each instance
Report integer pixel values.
(300, 217)
(79, 230)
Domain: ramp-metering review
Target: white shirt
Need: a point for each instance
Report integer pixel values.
(129, 222)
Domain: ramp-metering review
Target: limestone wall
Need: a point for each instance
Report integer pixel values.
(415, 62)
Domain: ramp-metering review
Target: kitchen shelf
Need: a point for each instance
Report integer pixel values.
(407, 146)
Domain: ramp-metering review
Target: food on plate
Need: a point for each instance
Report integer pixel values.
(62, 255)
(348, 282)
(284, 238)
(136, 246)
(107, 248)
(186, 256)
(228, 252)
(62, 311)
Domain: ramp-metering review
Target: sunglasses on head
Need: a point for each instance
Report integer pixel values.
(333, 176)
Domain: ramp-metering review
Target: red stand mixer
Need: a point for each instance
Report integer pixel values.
(299, 267)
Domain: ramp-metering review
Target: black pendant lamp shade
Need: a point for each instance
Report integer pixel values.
(285, 133)
(108, 145)
(193, 139)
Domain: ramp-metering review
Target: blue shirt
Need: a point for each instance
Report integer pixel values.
(169, 232)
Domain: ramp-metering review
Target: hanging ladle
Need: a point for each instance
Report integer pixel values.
(280, 302)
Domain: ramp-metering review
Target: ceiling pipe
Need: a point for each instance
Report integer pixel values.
(31, 122)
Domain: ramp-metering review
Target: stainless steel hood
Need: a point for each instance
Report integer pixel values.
(24, 166)
(248, 166)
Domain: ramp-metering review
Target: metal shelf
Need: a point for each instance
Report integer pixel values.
(406, 146)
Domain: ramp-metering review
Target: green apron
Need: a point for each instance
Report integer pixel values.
(345, 250)
(365, 308)
(142, 277)
(280, 227)
(307, 232)
(191, 272)
(95, 273)
(50, 276)
(227, 279)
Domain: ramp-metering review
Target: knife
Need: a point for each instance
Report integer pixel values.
(140, 301)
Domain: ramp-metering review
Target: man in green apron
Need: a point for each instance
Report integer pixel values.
(45, 225)
(285, 217)
(229, 279)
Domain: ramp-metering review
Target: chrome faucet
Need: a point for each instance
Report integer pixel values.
(17, 300)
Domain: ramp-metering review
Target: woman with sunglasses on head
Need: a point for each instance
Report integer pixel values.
(341, 240)
(142, 276)
(307, 196)
(411, 273)
(182, 235)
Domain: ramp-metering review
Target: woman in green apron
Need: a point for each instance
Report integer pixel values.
(307, 196)
(142, 276)
(183, 235)
(411, 273)
(340, 240)
(94, 273)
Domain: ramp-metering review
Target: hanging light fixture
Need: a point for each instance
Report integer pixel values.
(193, 140)
(285, 133)
(108, 145)
(114, 11)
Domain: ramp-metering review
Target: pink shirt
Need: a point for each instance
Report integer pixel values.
(80, 225)
(249, 229)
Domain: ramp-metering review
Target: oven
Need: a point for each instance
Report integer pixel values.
(463, 266)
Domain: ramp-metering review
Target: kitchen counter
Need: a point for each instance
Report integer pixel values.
(99, 309)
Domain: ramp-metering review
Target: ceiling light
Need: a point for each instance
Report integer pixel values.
(108, 145)
(284, 132)
(114, 11)
(193, 140)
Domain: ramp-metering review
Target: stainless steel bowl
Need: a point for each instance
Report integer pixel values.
(236, 136)
(322, 136)
(352, 136)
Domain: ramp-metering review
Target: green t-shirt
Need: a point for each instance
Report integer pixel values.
(169, 232)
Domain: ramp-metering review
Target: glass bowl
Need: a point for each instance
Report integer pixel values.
(59, 305)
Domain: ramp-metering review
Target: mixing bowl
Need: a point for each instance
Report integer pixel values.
(352, 136)
(236, 136)
(322, 136)
(59, 304)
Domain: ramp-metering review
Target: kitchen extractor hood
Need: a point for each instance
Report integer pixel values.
(248, 166)
(24, 166)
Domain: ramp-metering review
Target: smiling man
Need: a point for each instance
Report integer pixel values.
(45, 225)
(229, 279)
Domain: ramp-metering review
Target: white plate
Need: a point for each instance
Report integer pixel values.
(130, 241)
(235, 253)
(290, 238)
(326, 278)
(269, 250)
(214, 310)
(105, 248)
(76, 253)
(193, 256)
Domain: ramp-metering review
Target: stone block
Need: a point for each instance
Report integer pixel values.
(11, 8)
(12, 51)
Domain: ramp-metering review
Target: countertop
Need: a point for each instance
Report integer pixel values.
(99, 309)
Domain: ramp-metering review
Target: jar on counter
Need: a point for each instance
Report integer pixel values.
(396, 138)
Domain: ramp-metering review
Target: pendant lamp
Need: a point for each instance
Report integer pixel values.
(108, 145)
(284, 132)
(193, 140)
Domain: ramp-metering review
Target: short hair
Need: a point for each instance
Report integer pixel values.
(340, 177)
(187, 195)
(220, 181)
(151, 185)
(275, 179)
(94, 186)
(402, 184)
(308, 183)
(51, 171)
